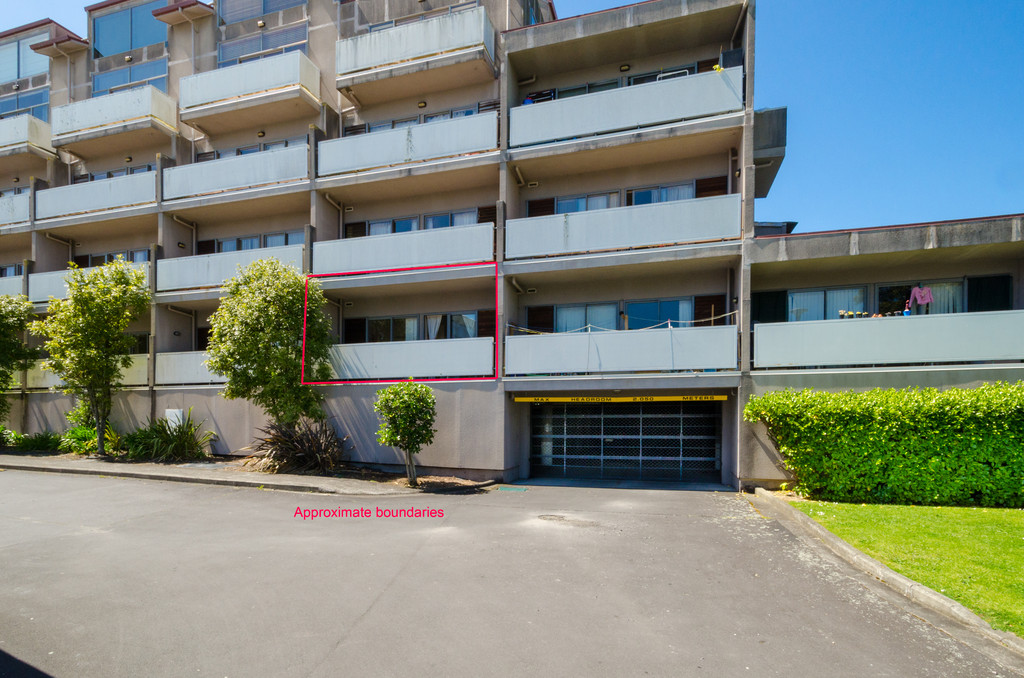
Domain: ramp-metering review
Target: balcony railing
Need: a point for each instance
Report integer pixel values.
(455, 245)
(22, 133)
(654, 350)
(289, 82)
(111, 113)
(184, 368)
(240, 172)
(136, 374)
(618, 228)
(97, 196)
(914, 340)
(14, 209)
(11, 285)
(626, 108)
(211, 270)
(42, 286)
(420, 359)
(430, 38)
(417, 143)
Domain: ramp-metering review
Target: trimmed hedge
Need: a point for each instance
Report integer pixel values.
(910, 446)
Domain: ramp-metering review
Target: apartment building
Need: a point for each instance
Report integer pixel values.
(551, 220)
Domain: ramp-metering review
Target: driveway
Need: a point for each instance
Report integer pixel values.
(122, 577)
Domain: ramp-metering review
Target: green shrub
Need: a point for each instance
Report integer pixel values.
(9, 438)
(80, 440)
(911, 446)
(161, 440)
(295, 447)
(47, 441)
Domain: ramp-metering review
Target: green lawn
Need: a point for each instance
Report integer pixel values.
(973, 555)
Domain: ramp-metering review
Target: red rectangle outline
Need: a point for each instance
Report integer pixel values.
(305, 311)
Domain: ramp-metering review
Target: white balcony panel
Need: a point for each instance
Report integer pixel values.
(249, 82)
(136, 374)
(23, 132)
(653, 103)
(455, 245)
(211, 270)
(97, 196)
(111, 111)
(417, 40)
(11, 286)
(657, 350)
(669, 223)
(428, 141)
(42, 286)
(240, 172)
(14, 209)
(952, 337)
(404, 359)
(184, 368)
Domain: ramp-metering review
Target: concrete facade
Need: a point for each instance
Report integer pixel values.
(556, 209)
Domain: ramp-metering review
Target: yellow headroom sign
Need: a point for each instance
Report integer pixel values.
(621, 399)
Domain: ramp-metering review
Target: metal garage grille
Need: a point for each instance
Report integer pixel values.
(644, 441)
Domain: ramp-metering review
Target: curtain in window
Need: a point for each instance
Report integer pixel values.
(849, 299)
(434, 324)
(806, 306)
(680, 192)
(463, 325)
(948, 297)
(466, 218)
(570, 318)
(685, 313)
(602, 316)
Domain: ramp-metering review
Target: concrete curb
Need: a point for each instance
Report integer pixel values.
(266, 483)
(905, 586)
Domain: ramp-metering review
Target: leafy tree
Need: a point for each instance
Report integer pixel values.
(86, 334)
(407, 413)
(256, 340)
(15, 312)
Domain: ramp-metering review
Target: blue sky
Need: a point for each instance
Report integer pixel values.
(899, 112)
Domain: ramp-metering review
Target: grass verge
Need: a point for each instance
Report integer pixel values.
(973, 555)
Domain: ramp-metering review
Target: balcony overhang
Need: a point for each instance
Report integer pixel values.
(706, 261)
(421, 76)
(438, 282)
(769, 148)
(25, 144)
(115, 123)
(424, 178)
(182, 11)
(253, 94)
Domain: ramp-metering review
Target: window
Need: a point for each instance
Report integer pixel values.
(250, 242)
(658, 313)
(10, 270)
(583, 203)
(573, 318)
(33, 102)
(127, 30)
(134, 256)
(232, 11)
(824, 304)
(647, 196)
(17, 60)
(588, 88)
(141, 345)
(297, 237)
(114, 173)
(392, 329)
(462, 218)
(947, 297)
(436, 116)
(385, 226)
(663, 74)
(271, 43)
(450, 325)
(149, 73)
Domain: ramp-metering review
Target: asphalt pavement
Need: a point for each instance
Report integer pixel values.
(110, 577)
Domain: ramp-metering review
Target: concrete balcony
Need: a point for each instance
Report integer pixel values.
(240, 172)
(211, 270)
(97, 196)
(136, 374)
(417, 56)
(655, 350)
(11, 286)
(14, 209)
(456, 245)
(628, 108)
(914, 340)
(112, 123)
(24, 142)
(249, 95)
(42, 286)
(419, 359)
(444, 139)
(699, 220)
(184, 368)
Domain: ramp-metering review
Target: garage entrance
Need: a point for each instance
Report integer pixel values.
(641, 441)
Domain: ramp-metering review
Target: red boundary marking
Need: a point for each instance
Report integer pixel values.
(305, 315)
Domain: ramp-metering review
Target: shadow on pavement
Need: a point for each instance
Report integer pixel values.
(12, 667)
(679, 486)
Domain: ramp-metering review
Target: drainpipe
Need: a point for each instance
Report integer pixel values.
(62, 241)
